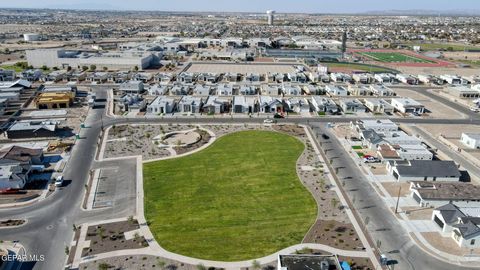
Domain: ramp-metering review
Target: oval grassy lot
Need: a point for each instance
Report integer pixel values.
(238, 199)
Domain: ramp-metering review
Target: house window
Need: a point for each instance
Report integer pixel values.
(472, 242)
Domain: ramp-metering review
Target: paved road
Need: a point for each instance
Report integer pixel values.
(382, 225)
(50, 222)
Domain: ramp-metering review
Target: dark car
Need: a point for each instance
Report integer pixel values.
(325, 136)
(277, 115)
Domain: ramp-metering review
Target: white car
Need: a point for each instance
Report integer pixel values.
(59, 181)
(268, 121)
(473, 109)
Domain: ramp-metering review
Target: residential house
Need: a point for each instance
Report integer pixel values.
(186, 77)
(97, 77)
(179, 90)
(247, 90)
(244, 104)
(341, 77)
(471, 140)
(162, 105)
(224, 90)
(379, 106)
(270, 90)
(132, 103)
(268, 104)
(158, 90)
(132, 87)
(359, 90)
(202, 90)
(333, 90)
(407, 79)
(385, 78)
(463, 92)
(424, 170)
(209, 78)
(190, 104)
(216, 105)
(31, 75)
(437, 194)
(163, 78)
(297, 105)
(323, 105)
(352, 105)
(462, 223)
(32, 129)
(291, 90)
(381, 90)
(408, 105)
(363, 78)
(7, 75)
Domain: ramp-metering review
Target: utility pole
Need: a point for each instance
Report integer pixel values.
(398, 199)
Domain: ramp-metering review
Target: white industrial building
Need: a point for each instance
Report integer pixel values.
(115, 60)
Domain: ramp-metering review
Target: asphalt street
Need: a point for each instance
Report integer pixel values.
(382, 225)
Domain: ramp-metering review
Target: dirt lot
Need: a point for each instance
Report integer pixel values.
(334, 234)
(392, 188)
(446, 244)
(450, 131)
(437, 110)
(417, 213)
(240, 68)
(110, 237)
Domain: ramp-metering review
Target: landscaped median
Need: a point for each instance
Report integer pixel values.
(238, 199)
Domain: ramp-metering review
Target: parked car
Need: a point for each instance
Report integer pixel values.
(325, 136)
(277, 115)
(370, 159)
(10, 191)
(59, 181)
(269, 121)
(474, 109)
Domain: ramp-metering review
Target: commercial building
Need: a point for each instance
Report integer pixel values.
(114, 60)
(270, 16)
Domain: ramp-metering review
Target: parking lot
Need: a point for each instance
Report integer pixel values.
(116, 185)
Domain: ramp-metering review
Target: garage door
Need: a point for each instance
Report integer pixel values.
(417, 198)
(439, 222)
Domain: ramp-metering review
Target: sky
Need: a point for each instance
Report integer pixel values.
(306, 6)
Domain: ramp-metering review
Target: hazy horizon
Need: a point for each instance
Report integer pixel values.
(284, 6)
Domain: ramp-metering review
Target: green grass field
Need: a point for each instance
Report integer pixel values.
(391, 57)
(238, 199)
(443, 46)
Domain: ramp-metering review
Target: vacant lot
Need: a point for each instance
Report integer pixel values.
(238, 199)
(393, 57)
(240, 68)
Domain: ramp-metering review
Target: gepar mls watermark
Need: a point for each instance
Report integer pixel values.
(22, 256)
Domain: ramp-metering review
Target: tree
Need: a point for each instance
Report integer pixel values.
(69, 68)
(105, 68)
(334, 202)
(67, 250)
(93, 67)
(44, 67)
(104, 266)
(255, 265)
(201, 267)
(135, 68)
(84, 68)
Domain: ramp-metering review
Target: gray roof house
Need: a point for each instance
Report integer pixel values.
(424, 170)
(215, 105)
(161, 105)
